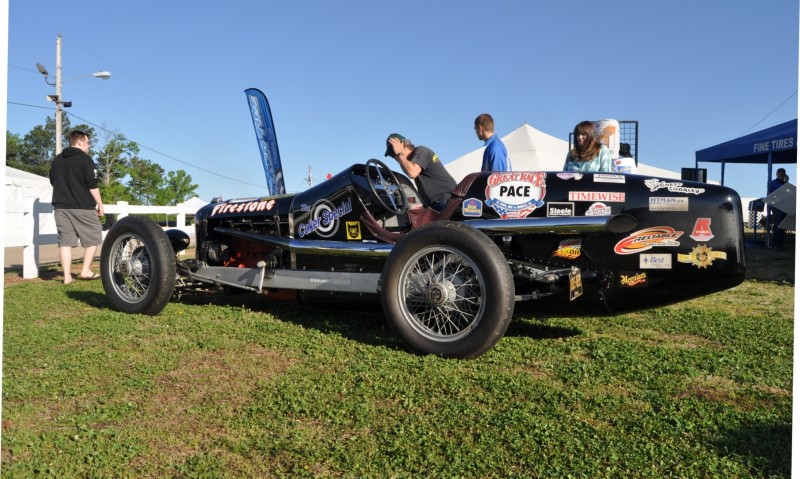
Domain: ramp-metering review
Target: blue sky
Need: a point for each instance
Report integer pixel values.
(342, 75)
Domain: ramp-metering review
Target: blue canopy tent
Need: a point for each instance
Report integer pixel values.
(774, 145)
(777, 144)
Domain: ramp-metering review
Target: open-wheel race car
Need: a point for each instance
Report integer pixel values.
(448, 281)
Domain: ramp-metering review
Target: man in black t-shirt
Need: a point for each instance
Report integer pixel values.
(422, 165)
(77, 205)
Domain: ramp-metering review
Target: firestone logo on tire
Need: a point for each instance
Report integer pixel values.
(515, 194)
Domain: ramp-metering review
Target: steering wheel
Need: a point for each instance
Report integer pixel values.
(389, 186)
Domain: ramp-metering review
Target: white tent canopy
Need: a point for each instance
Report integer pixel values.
(532, 150)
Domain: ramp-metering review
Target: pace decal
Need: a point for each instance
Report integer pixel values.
(701, 256)
(633, 280)
(242, 206)
(608, 196)
(568, 249)
(472, 207)
(672, 187)
(702, 230)
(325, 218)
(655, 261)
(353, 230)
(515, 194)
(645, 239)
(669, 203)
(555, 209)
(598, 209)
(606, 178)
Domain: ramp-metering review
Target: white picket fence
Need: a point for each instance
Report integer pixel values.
(28, 232)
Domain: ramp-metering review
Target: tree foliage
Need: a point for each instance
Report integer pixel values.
(122, 173)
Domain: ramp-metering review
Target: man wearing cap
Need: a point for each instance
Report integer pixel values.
(422, 165)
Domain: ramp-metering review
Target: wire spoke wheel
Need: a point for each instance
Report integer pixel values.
(447, 290)
(137, 265)
(444, 293)
(131, 267)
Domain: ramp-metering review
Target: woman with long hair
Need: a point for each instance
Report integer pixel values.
(588, 154)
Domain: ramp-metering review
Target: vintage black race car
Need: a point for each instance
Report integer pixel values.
(448, 281)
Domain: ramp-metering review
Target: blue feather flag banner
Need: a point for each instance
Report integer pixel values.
(267, 141)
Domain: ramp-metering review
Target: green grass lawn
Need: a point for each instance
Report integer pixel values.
(243, 387)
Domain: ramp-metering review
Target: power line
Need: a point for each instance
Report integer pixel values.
(142, 145)
(166, 155)
(768, 114)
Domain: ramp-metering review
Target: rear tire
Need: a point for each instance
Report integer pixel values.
(137, 265)
(447, 290)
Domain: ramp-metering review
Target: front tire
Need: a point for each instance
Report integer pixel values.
(447, 290)
(137, 265)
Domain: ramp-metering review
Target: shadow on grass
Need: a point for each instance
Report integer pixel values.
(528, 329)
(91, 298)
(767, 446)
(356, 318)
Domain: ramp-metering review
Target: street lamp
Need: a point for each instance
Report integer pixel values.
(57, 97)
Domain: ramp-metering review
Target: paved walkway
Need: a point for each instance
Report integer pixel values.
(48, 254)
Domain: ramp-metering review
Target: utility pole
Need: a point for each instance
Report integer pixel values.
(309, 179)
(59, 102)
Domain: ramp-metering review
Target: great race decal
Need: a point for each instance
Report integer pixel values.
(242, 206)
(515, 194)
(645, 239)
(324, 218)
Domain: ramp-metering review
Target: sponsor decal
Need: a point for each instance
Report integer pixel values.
(560, 209)
(672, 187)
(701, 256)
(608, 196)
(568, 249)
(702, 230)
(605, 178)
(669, 203)
(324, 218)
(655, 261)
(645, 239)
(305, 208)
(353, 230)
(633, 280)
(570, 176)
(575, 283)
(472, 207)
(598, 209)
(242, 206)
(515, 194)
